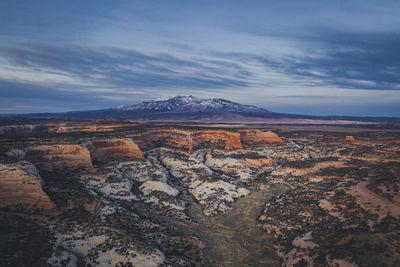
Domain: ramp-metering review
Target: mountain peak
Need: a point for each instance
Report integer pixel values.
(191, 104)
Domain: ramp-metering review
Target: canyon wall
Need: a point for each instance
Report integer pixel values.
(52, 157)
(189, 141)
(254, 138)
(169, 138)
(103, 150)
(20, 184)
(221, 140)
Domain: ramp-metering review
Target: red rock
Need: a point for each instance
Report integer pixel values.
(169, 138)
(20, 184)
(109, 149)
(188, 141)
(254, 138)
(222, 140)
(51, 157)
(350, 138)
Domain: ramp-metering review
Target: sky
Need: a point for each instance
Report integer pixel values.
(306, 57)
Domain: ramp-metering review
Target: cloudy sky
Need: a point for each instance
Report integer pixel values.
(309, 57)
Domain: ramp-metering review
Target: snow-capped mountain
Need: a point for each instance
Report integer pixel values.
(192, 104)
(191, 109)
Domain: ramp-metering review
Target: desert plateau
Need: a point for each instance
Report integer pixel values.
(162, 195)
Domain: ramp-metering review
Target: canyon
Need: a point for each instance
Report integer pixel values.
(151, 195)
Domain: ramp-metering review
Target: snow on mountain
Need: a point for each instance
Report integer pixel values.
(191, 104)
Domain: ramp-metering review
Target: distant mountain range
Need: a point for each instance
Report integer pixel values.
(194, 109)
(192, 104)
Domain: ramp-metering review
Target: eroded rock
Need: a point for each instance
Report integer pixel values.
(20, 184)
(254, 138)
(51, 157)
(105, 150)
(222, 140)
(170, 138)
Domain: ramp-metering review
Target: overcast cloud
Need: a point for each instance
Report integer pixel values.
(314, 58)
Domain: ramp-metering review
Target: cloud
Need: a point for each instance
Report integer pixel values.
(354, 60)
(121, 68)
(329, 60)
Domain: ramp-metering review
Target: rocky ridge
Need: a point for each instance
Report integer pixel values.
(189, 141)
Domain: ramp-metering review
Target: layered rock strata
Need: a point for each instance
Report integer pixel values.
(52, 157)
(169, 138)
(20, 184)
(110, 149)
(189, 141)
(254, 138)
(221, 140)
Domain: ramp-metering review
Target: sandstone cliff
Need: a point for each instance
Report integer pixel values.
(222, 140)
(20, 184)
(108, 149)
(52, 157)
(169, 138)
(189, 141)
(254, 138)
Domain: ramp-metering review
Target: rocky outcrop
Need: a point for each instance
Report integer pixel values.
(258, 163)
(188, 141)
(169, 138)
(110, 149)
(221, 140)
(349, 138)
(52, 157)
(20, 184)
(254, 138)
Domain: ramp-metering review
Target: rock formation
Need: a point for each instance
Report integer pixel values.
(108, 149)
(20, 184)
(257, 163)
(169, 138)
(52, 157)
(254, 138)
(189, 141)
(350, 138)
(221, 140)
